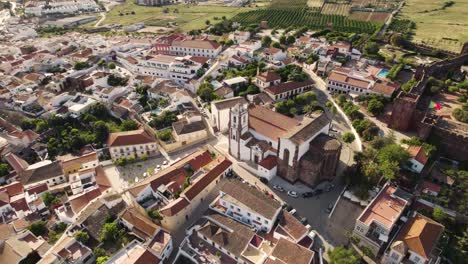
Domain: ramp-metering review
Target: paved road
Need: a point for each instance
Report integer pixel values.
(323, 96)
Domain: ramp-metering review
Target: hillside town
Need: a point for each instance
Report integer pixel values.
(232, 144)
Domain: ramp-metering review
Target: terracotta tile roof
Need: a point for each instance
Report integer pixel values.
(12, 189)
(17, 163)
(146, 257)
(252, 198)
(20, 205)
(430, 186)
(417, 153)
(385, 88)
(101, 179)
(77, 161)
(127, 138)
(142, 223)
(81, 201)
(200, 161)
(292, 253)
(268, 76)
(270, 123)
(234, 239)
(292, 226)
(385, 208)
(37, 189)
(288, 86)
(203, 181)
(199, 59)
(421, 234)
(269, 162)
(174, 207)
(343, 78)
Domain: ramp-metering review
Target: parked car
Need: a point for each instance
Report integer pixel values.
(329, 187)
(292, 194)
(307, 194)
(278, 188)
(303, 220)
(264, 180)
(158, 167)
(329, 208)
(165, 162)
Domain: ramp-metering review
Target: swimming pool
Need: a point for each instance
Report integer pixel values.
(216, 84)
(156, 111)
(382, 73)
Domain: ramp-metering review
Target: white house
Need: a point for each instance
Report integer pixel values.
(418, 158)
(247, 205)
(134, 143)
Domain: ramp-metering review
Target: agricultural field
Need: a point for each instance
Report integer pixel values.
(369, 16)
(285, 13)
(438, 25)
(336, 9)
(315, 3)
(187, 17)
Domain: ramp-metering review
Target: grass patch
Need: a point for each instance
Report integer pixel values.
(187, 17)
(438, 24)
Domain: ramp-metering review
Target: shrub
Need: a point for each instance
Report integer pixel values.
(375, 106)
(165, 135)
(348, 137)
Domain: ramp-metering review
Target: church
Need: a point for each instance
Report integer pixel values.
(296, 150)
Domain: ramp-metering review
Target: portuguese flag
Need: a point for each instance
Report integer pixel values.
(434, 105)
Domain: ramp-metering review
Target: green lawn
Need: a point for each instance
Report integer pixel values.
(445, 29)
(188, 17)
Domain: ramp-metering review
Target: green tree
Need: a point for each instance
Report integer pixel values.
(290, 40)
(154, 214)
(371, 48)
(340, 255)
(111, 65)
(375, 106)
(438, 214)
(266, 41)
(101, 131)
(4, 170)
(38, 228)
(207, 22)
(81, 236)
(393, 153)
(282, 39)
(276, 45)
(102, 259)
(99, 252)
(129, 125)
(348, 137)
(165, 135)
(41, 126)
(49, 199)
(110, 232)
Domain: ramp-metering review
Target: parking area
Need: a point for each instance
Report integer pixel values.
(134, 172)
(342, 220)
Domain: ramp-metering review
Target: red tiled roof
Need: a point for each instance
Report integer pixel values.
(201, 160)
(269, 162)
(287, 86)
(420, 235)
(134, 137)
(270, 123)
(20, 205)
(37, 189)
(174, 207)
(417, 153)
(101, 179)
(268, 76)
(139, 221)
(81, 201)
(203, 181)
(12, 189)
(427, 185)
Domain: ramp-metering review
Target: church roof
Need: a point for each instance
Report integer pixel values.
(270, 123)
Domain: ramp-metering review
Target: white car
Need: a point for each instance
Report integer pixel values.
(278, 188)
(165, 162)
(292, 194)
(158, 167)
